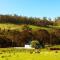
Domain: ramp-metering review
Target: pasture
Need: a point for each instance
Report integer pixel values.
(24, 54)
(19, 27)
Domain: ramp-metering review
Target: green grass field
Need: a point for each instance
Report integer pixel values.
(11, 26)
(19, 27)
(17, 54)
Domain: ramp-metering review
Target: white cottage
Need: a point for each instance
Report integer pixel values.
(27, 46)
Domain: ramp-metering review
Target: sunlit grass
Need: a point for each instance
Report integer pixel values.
(16, 54)
(19, 27)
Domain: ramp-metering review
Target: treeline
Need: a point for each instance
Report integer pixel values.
(25, 20)
(15, 19)
(13, 38)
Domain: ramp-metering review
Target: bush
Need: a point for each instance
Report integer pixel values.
(35, 44)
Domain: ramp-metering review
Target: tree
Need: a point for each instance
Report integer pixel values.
(35, 44)
(26, 27)
(42, 36)
(57, 21)
(44, 18)
(49, 19)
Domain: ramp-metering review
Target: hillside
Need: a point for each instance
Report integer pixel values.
(14, 32)
(19, 27)
(19, 30)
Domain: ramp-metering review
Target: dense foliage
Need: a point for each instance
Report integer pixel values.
(24, 20)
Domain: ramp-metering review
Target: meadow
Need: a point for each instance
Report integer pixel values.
(19, 27)
(24, 54)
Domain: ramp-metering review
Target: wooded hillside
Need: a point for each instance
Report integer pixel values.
(48, 34)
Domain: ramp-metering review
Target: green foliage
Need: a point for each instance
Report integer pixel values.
(24, 20)
(45, 18)
(26, 27)
(35, 44)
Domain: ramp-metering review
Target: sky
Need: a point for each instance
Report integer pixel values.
(31, 8)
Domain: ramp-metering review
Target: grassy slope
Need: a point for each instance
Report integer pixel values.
(19, 27)
(34, 28)
(18, 55)
(10, 26)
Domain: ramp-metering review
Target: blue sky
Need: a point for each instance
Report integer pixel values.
(32, 8)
